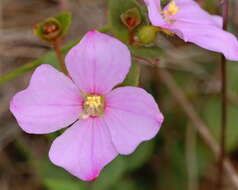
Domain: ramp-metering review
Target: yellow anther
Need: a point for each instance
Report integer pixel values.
(93, 106)
(93, 101)
(171, 10)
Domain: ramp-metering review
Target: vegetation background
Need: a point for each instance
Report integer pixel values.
(178, 158)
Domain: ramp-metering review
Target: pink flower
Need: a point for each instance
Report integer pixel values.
(187, 20)
(105, 121)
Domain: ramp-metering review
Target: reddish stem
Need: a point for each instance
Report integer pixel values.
(131, 36)
(144, 59)
(223, 104)
(60, 57)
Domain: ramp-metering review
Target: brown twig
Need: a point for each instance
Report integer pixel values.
(223, 104)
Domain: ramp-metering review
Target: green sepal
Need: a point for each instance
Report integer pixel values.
(132, 78)
(116, 9)
(65, 19)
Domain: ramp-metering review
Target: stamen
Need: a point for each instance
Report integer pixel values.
(171, 10)
(93, 106)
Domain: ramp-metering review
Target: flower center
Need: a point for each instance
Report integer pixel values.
(93, 106)
(170, 11)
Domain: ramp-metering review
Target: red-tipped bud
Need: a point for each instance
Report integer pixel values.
(131, 18)
(53, 28)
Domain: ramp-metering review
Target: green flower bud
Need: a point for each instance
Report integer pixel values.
(49, 30)
(147, 34)
(131, 18)
(53, 28)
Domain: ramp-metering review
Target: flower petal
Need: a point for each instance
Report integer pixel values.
(191, 12)
(209, 37)
(154, 9)
(84, 149)
(218, 20)
(132, 116)
(98, 62)
(50, 103)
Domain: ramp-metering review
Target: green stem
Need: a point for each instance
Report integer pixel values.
(27, 67)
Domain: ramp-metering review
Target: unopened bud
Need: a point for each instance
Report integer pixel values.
(131, 18)
(147, 34)
(53, 28)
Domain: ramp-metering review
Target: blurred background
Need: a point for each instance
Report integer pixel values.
(180, 157)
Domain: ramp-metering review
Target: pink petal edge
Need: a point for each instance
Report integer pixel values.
(84, 149)
(132, 117)
(190, 12)
(154, 12)
(209, 37)
(98, 62)
(50, 102)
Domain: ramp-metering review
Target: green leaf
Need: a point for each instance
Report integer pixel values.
(116, 9)
(111, 174)
(61, 184)
(65, 19)
(56, 178)
(126, 185)
(140, 156)
(132, 79)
